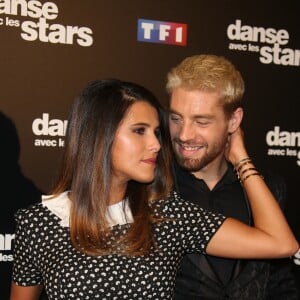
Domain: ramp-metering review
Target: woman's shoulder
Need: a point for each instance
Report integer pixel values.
(26, 215)
(177, 207)
(175, 203)
(58, 205)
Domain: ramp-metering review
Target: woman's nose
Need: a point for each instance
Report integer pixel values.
(155, 144)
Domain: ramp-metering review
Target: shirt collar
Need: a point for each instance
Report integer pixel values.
(182, 175)
(117, 214)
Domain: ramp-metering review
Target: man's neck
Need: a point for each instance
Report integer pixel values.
(213, 172)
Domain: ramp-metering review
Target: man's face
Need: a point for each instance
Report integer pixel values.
(198, 127)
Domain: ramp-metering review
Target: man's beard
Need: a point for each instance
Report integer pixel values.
(196, 164)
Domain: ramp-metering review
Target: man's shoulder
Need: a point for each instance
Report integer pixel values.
(273, 179)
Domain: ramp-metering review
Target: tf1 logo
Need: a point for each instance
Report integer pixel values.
(162, 32)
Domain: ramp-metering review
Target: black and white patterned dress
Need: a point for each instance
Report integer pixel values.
(43, 253)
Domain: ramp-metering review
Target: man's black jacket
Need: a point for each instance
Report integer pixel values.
(208, 277)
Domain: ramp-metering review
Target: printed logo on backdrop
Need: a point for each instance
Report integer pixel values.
(162, 32)
(39, 27)
(6, 240)
(270, 44)
(49, 132)
(283, 143)
(296, 258)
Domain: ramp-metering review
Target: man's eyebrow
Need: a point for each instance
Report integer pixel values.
(172, 111)
(196, 116)
(205, 116)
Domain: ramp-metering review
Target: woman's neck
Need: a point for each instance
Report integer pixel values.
(117, 192)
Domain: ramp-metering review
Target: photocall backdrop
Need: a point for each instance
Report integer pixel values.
(50, 50)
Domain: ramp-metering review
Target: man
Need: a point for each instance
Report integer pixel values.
(205, 108)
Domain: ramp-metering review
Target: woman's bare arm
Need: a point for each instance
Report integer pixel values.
(25, 292)
(271, 236)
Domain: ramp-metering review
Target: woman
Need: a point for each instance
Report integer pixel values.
(107, 232)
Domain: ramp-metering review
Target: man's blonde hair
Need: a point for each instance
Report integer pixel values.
(209, 73)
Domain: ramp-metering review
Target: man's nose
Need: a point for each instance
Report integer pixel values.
(186, 132)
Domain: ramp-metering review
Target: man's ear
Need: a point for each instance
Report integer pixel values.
(235, 120)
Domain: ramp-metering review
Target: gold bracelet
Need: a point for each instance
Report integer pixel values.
(239, 174)
(249, 169)
(243, 164)
(246, 177)
(241, 161)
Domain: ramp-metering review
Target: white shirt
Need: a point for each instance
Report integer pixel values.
(118, 213)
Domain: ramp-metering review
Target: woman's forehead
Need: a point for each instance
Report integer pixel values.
(140, 112)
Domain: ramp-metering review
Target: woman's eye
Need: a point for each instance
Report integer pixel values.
(140, 130)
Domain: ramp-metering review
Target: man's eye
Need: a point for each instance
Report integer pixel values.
(202, 123)
(157, 133)
(139, 130)
(174, 118)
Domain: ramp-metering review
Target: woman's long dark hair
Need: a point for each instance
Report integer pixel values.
(86, 169)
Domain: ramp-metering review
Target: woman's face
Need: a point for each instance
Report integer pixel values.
(135, 148)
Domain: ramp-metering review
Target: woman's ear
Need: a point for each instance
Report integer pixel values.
(235, 120)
